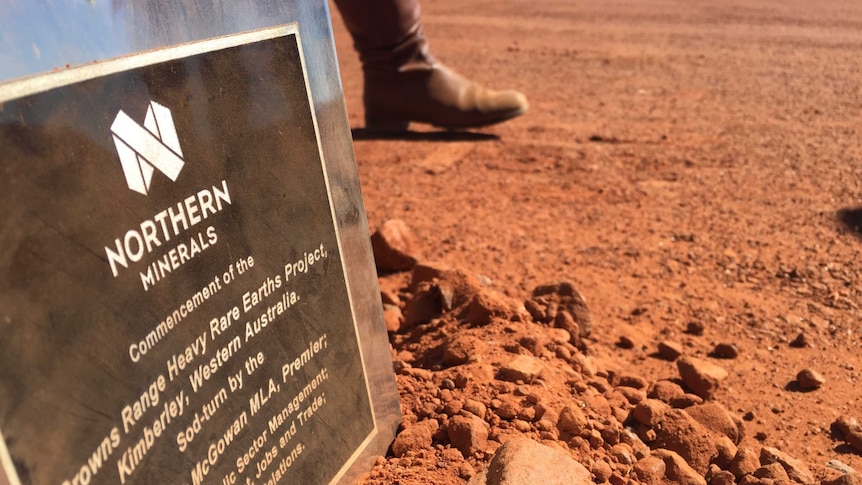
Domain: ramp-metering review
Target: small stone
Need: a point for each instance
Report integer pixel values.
(601, 471)
(461, 349)
(395, 247)
(392, 317)
(681, 434)
(475, 407)
(572, 420)
(564, 296)
(800, 341)
(669, 350)
(522, 461)
(665, 391)
(626, 342)
(686, 400)
(840, 466)
(650, 470)
(719, 420)
(704, 378)
(725, 351)
(723, 477)
(447, 384)
(809, 379)
(521, 368)
(649, 412)
(415, 438)
(846, 424)
(486, 305)
(631, 380)
(744, 463)
(468, 434)
(796, 469)
(695, 328)
(677, 470)
(726, 452)
(423, 307)
(774, 471)
(852, 478)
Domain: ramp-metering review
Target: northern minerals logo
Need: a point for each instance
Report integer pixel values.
(143, 149)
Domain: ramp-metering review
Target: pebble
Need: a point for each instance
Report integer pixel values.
(665, 391)
(704, 378)
(415, 438)
(725, 351)
(677, 470)
(796, 469)
(572, 420)
(669, 350)
(468, 434)
(809, 379)
(522, 461)
(392, 317)
(695, 328)
(521, 368)
(744, 463)
(650, 470)
(395, 247)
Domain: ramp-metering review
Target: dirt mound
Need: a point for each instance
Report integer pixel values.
(477, 370)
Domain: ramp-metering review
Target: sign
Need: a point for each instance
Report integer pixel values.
(174, 300)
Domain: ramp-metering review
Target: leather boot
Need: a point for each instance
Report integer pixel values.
(404, 82)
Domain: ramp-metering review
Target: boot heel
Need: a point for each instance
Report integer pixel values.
(383, 125)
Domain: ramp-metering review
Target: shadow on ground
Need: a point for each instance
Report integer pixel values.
(361, 134)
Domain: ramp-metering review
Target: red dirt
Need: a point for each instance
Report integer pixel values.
(681, 163)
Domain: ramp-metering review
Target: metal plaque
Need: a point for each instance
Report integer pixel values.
(187, 291)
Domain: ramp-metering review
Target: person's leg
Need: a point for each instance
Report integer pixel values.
(403, 81)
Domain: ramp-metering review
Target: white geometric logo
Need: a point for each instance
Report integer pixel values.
(145, 149)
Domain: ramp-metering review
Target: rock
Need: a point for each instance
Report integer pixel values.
(415, 438)
(392, 317)
(718, 419)
(650, 412)
(521, 368)
(725, 351)
(475, 407)
(796, 469)
(687, 400)
(394, 247)
(626, 342)
(677, 470)
(565, 321)
(669, 350)
(665, 391)
(704, 378)
(846, 424)
(846, 479)
(809, 380)
(468, 434)
(547, 300)
(650, 470)
(774, 471)
(723, 477)
(601, 471)
(572, 420)
(680, 433)
(840, 466)
(522, 461)
(695, 328)
(630, 380)
(423, 307)
(726, 452)
(800, 341)
(744, 463)
(461, 349)
(486, 305)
